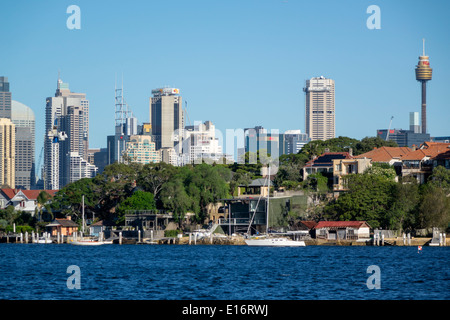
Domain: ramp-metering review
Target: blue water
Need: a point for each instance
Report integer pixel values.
(126, 272)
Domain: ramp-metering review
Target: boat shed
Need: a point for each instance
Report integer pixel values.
(65, 227)
(342, 230)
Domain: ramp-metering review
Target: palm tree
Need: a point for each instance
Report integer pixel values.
(42, 199)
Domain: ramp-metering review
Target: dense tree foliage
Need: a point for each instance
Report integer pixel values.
(374, 196)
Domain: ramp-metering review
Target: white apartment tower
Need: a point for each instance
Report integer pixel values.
(67, 131)
(7, 152)
(320, 108)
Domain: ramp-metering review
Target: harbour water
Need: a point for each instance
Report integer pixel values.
(214, 272)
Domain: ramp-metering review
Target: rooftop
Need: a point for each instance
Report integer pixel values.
(341, 224)
(327, 158)
(385, 154)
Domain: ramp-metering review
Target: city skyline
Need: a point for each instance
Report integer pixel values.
(236, 63)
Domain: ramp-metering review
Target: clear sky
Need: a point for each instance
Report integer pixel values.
(238, 63)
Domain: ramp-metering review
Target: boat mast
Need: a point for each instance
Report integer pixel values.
(268, 196)
(254, 213)
(82, 210)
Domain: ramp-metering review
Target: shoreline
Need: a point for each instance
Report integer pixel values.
(237, 240)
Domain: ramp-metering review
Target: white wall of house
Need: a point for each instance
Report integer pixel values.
(363, 232)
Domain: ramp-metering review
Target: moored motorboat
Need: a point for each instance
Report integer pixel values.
(274, 242)
(88, 242)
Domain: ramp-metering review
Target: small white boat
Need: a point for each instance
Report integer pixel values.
(43, 240)
(274, 242)
(88, 242)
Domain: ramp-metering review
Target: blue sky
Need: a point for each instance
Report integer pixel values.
(237, 63)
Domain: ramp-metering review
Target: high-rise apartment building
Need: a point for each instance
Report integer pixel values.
(5, 98)
(24, 120)
(294, 141)
(166, 117)
(7, 152)
(320, 108)
(263, 141)
(201, 144)
(67, 129)
(141, 149)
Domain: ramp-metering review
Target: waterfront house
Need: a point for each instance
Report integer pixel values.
(258, 187)
(442, 159)
(343, 167)
(22, 200)
(419, 164)
(342, 230)
(99, 226)
(324, 165)
(388, 155)
(65, 227)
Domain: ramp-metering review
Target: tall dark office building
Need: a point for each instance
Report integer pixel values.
(166, 117)
(5, 98)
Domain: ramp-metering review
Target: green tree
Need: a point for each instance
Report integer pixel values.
(204, 185)
(139, 200)
(318, 147)
(382, 170)
(69, 199)
(369, 143)
(434, 209)
(406, 200)
(112, 186)
(240, 178)
(154, 175)
(288, 176)
(175, 199)
(440, 178)
(369, 198)
(42, 199)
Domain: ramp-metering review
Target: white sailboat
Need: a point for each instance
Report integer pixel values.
(268, 240)
(88, 241)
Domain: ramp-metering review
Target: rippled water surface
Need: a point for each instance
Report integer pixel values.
(33, 271)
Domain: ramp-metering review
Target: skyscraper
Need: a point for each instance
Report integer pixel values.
(423, 74)
(166, 117)
(67, 131)
(5, 98)
(24, 121)
(7, 152)
(320, 108)
(414, 125)
(294, 141)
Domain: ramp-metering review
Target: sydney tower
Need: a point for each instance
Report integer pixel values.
(423, 74)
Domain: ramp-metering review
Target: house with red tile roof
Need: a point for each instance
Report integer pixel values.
(21, 200)
(419, 164)
(389, 155)
(342, 230)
